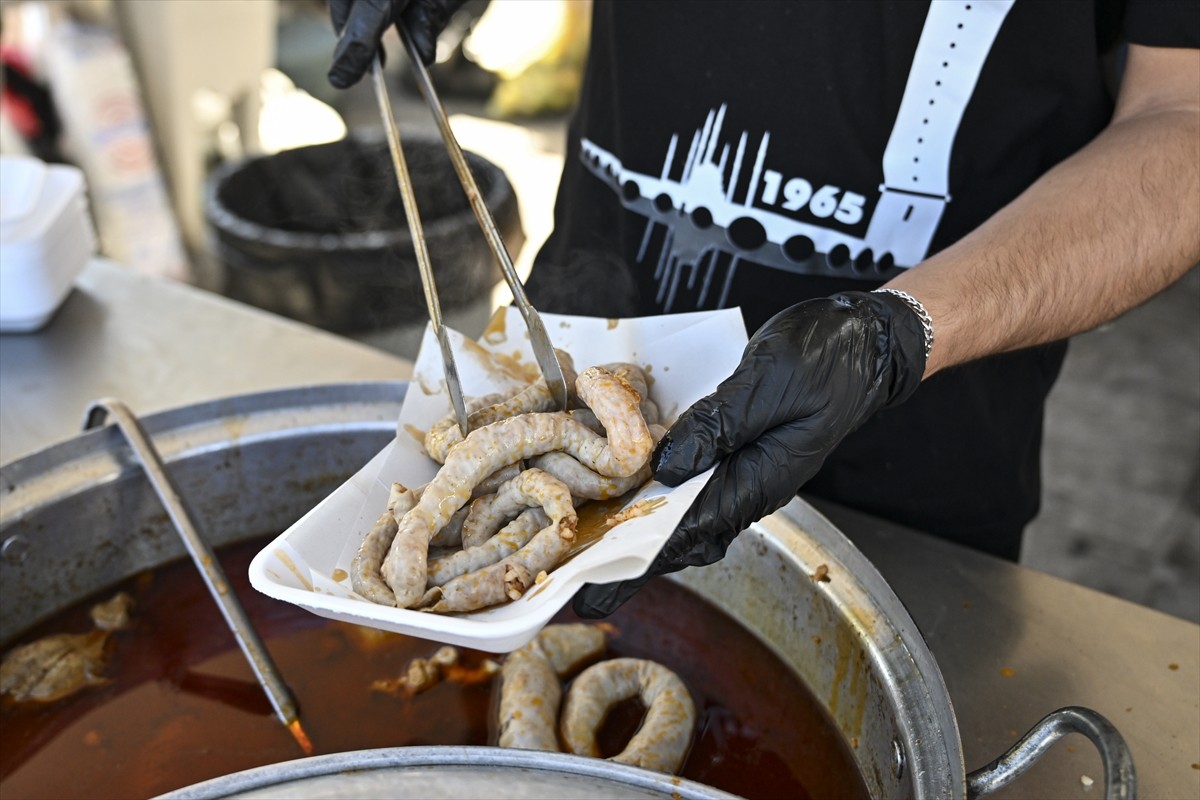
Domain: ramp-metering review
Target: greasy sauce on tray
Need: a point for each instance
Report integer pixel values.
(182, 705)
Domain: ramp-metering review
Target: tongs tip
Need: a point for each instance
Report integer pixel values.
(547, 358)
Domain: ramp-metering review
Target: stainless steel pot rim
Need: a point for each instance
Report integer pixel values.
(930, 746)
(100, 457)
(457, 771)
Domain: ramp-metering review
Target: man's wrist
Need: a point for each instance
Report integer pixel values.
(919, 310)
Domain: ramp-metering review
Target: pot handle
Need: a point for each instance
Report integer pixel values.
(1120, 778)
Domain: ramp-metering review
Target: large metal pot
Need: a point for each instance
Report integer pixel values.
(251, 464)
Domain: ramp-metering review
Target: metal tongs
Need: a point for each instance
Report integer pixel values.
(543, 350)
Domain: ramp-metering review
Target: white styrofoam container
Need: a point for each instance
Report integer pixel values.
(46, 238)
(309, 564)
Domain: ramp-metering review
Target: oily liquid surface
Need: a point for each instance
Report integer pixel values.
(182, 705)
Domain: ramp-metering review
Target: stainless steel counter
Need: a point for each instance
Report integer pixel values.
(1013, 644)
(157, 345)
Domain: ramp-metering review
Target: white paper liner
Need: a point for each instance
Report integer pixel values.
(685, 356)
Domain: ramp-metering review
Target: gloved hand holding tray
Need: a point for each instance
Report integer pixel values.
(686, 356)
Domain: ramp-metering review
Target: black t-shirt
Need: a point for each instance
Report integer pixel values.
(756, 154)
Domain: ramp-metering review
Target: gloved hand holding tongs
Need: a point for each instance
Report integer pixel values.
(360, 25)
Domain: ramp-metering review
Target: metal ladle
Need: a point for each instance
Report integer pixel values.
(206, 562)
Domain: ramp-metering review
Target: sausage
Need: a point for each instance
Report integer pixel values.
(623, 453)
(661, 743)
(445, 433)
(532, 488)
(583, 482)
(531, 691)
(365, 577)
(507, 579)
(635, 376)
(511, 538)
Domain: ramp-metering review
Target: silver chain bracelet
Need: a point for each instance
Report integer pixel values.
(922, 314)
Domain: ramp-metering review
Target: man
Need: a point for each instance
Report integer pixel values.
(897, 195)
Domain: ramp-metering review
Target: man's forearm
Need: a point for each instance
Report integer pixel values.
(1100, 233)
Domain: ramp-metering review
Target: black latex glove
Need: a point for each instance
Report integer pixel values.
(360, 25)
(811, 375)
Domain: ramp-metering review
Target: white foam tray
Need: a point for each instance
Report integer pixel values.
(686, 355)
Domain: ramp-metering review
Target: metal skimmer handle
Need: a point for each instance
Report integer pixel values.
(418, 237)
(206, 562)
(543, 351)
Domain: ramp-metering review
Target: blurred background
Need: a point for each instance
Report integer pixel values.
(178, 112)
(217, 154)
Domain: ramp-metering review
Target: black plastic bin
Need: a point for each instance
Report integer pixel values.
(319, 234)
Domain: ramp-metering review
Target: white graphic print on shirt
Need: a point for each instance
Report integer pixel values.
(711, 223)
